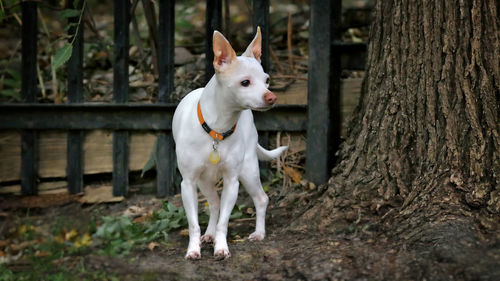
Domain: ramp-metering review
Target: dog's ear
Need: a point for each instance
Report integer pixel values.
(254, 50)
(224, 54)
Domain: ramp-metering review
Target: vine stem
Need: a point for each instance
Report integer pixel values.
(79, 22)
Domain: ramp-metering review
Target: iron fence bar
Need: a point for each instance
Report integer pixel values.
(165, 153)
(155, 117)
(213, 22)
(166, 50)
(321, 132)
(29, 149)
(261, 18)
(165, 164)
(120, 94)
(75, 140)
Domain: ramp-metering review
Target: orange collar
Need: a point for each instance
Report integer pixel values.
(215, 135)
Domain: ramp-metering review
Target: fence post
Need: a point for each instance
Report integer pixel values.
(323, 92)
(213, 22)
(120, 94)
(261, 18)
(165, 153)
(29, 142)
(74, 168)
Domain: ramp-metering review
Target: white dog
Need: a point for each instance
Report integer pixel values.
(216, 138)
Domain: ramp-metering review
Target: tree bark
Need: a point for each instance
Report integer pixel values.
(423, 150)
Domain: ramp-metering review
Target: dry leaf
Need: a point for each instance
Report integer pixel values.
(293, 173)
(184, 232)
(42, 254)
(85, 240)
(134, 211)
(100, 194)
(69, 235)
(153, 245)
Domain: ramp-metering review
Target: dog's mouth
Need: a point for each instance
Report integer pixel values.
(261, 108)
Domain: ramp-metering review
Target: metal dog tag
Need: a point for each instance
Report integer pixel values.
(214, 156)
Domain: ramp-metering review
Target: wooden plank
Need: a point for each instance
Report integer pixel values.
(166, 50)
(10, 153)
(213, 22)
(52, 147)
(51, 187)
(28, 93)
(261, 18)
(74, 168)
(296, 93)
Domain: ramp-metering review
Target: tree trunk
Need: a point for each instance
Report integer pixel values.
(423, 152)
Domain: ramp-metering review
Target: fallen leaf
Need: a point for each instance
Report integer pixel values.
(293, 173)
(42, 254)
(184, 232)
(134, 211)
(59, 239)
(24, 228)
(70, 235)
(153, 245)
(4, 243)
(85, 240)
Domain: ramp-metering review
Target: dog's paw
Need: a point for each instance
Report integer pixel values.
(207, 239)
(256, 236)
(222, 254)
(193, 255)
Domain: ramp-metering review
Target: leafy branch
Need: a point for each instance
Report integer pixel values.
(63, 54)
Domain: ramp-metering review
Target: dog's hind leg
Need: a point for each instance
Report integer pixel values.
(207, 187)
(190, 201)
(250, 179)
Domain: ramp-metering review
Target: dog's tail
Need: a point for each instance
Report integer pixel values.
(266, 155)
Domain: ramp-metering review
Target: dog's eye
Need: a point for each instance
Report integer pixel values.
(245, 83)
(267, 80)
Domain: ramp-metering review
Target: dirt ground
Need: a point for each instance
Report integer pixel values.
(289, 252)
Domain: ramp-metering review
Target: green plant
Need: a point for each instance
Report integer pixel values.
(6, 274)
(119, 235)
(11, 84)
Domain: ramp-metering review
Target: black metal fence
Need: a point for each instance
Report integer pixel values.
(320, 118)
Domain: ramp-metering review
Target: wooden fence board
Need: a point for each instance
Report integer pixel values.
(97, 147)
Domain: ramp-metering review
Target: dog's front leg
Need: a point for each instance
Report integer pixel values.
(190, 201)
(207, 187)
(228, 199)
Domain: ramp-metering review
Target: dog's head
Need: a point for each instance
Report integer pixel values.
(243, 76)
